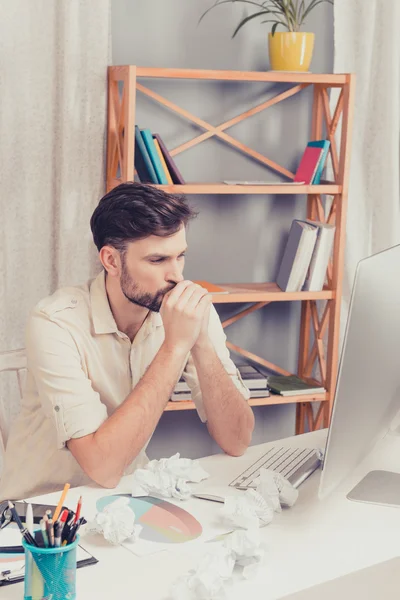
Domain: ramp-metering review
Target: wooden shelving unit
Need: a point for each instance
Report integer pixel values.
(319, 328)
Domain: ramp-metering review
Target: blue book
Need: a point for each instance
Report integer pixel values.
(324, 144)
(155, 159)
(143, 163)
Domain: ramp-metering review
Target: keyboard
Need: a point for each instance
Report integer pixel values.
(296, 464)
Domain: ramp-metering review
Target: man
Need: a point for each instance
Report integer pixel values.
(103, 358)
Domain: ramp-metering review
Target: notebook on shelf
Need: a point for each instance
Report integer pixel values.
(292, 385)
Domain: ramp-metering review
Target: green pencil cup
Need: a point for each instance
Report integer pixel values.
(50, 572)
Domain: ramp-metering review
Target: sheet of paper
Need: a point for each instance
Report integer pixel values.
(167, 535)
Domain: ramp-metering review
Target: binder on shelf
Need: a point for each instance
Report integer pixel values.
(297, 256)
(315, 278)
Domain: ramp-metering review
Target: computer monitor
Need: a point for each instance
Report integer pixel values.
(368, 387)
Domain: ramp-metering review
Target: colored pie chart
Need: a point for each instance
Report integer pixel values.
(161, 521)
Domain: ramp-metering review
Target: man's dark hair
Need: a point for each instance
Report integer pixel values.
(133, 211)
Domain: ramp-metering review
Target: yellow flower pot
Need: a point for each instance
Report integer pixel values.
(290, 50)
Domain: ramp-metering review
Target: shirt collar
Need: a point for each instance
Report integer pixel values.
(102, 317)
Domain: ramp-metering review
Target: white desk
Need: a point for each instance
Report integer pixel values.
(309, 543)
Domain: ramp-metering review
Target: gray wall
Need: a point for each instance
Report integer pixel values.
(235, 238)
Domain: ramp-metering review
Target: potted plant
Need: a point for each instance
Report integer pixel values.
(289, 50)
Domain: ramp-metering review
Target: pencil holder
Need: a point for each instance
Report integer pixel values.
(50, 572)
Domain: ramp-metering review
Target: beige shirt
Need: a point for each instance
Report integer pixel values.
(80, 369)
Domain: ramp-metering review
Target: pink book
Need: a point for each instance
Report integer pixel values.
(308, 165)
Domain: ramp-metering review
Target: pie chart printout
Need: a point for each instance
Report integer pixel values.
(162, 521)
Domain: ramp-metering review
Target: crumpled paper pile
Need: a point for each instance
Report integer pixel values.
(209, 580)
(168, 477)
(246, 513)
(116, 522)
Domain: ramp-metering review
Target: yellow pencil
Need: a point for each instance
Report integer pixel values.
(61, 502)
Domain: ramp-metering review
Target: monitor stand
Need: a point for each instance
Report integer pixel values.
(378, 487)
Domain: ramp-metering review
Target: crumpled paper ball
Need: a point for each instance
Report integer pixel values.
(245, 546)
(249, 510)
(116, 522)
(167, 477)
(276, 490)
(209, 580)
(206, 581)
(184, 468)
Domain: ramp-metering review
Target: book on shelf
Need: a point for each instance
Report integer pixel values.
(152, 151)
(308, 164)
(316, 275)
(162, 161)
(185, 396)
(324, 144)
(174, 172)
(297, 256)
(213, 288)
(143, 163)
(254, 379)
(306, 256)
(292, 385)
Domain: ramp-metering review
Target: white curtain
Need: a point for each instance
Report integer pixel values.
(367, 43)
(53, 71)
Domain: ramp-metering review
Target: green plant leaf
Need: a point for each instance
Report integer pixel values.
(281, 6)
(247, 19)
(277, 23)
(273, 29)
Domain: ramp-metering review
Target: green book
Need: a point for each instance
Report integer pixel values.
(292, 385)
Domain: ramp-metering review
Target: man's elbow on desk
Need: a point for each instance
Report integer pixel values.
(235, 443)
(100, 469)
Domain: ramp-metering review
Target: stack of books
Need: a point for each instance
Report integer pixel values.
(306, 256)
(253, 378)
(153, 162)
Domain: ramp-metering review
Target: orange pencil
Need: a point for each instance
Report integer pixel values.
(61, 502)
(78, 509)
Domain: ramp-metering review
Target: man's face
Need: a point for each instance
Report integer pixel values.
(152, 267)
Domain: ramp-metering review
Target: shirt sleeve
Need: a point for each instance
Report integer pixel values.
(66, 393)
(218, 339)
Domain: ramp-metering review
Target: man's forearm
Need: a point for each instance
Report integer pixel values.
(230, 419)
(122, 436)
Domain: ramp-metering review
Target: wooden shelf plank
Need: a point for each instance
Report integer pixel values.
(335, 79)
(265, 292)
(222, 188)
(270, 401)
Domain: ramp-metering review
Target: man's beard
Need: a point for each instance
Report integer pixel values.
(134, 294)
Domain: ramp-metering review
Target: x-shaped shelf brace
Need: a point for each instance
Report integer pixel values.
(219, 131)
